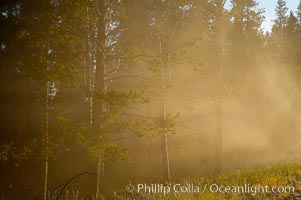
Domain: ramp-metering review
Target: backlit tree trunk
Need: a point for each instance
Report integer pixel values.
(218, 150)
(164, 139)
(100, 89)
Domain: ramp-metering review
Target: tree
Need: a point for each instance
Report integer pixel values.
(279, 25)
(281, 12)
(299, 12)
(290, 57)
(244, 40)
(110, 101)
(218, 148)
(167, 15)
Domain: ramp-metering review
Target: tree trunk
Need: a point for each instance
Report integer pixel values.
(88, 70)
(218, 150)
(165, 79)
(46, 141)
(218, 144)
(164, 138)
(100, 90)
(20, 137)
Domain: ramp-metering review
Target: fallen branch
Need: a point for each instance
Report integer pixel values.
(70, 180)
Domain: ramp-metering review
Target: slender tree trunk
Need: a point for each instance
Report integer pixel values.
(89, 74)
(164, 138)
(46, 136)
(100, 89)
(218, 150)
(293, 107)
(46, 141)
(165, 80)
(21, 129)
(100, 174)
(90, 87)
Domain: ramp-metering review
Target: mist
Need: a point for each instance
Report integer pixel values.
(99, 94)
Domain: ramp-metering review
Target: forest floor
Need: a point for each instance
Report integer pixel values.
(282, 177)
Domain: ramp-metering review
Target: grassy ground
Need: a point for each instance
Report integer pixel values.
(276, 175)
(279, 175)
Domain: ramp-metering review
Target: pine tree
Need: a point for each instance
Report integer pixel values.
(281, 12)
(278, 28)
(299, 15)
(292, 25)
(243, 35)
